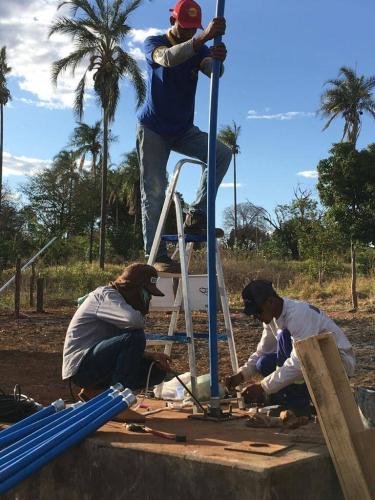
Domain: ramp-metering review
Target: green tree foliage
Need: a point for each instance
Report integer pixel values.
(347, 187)
(292, 222)
(349, 96)
(54, 197)
(229, 135)
(98, 29)
(4, 98)
(15, 237)
(252, 225)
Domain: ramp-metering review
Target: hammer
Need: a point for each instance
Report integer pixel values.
(167, 435)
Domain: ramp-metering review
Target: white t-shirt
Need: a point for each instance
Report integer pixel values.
(302, 320)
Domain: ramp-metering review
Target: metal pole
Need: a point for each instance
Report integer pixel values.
(28, 263)
(211, 239)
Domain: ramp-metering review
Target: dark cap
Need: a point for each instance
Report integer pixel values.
(188, 14)
(141, 275)
(254, 295)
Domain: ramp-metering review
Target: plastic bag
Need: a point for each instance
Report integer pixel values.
(173, 389)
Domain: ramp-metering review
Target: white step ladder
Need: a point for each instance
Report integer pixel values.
(189, 286)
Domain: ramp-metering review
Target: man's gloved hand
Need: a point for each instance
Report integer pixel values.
(219, 51)
(215, 28)
(233, 381)
(254, 393)
(163, 360)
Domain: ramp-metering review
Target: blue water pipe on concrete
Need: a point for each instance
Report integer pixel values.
(18, 469)
(25, 428)
(53, 408)
(211, 239)
(34, 440)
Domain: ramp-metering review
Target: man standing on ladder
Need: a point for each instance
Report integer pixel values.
(166, 119)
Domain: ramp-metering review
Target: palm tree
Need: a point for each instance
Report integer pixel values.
(229, 136)
(4, 98)
(349, 96)
(98, 33)
(86, 139)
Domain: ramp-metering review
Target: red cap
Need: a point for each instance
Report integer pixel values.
(188, 14)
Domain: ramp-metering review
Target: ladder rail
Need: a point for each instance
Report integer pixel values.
(185, 290)
(226, 312)
(167, 203)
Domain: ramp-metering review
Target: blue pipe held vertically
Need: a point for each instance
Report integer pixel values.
(211, 239)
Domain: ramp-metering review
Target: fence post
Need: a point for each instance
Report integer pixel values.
(39, 295)
(17, 289)
(32, 284)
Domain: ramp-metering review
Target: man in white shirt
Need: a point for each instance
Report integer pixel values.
(285, 321)
(105, 342)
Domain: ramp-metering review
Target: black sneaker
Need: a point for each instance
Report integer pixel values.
(196, 223)
(165, 264)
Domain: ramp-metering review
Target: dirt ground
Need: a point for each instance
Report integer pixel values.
(31, 348)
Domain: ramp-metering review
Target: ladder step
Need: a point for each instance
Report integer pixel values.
(164, 308)
(181, 338)
(189, 238)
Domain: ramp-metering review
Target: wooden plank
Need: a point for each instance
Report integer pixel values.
(333, 400)
(259, 448)
(364, 442)
(340, 380)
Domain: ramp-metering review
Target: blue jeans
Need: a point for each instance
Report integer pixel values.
(153, 152)
(294, 395)
(118, 359)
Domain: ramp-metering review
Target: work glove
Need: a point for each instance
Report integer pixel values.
(233, 381)
(162, 360)
(254, 393)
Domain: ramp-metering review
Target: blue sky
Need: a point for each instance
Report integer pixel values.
(279, 56)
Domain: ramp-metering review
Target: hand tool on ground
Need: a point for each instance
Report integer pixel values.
(179, 438)
(175, 374)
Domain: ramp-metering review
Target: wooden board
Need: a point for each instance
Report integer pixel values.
(258, 447)
(338, 414)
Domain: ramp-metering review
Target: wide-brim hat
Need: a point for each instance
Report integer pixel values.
(141, 275)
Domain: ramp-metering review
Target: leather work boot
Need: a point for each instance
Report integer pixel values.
(165, 264)
(196, 223)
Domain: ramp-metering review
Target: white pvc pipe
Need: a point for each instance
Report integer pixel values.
(25, 266)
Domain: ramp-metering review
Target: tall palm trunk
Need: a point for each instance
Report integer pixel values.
(235, 197)
(103, 211)
(91, 242)
(354, 275)
(92, 223)
(1, 151)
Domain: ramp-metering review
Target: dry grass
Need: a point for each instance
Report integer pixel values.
(65, 283)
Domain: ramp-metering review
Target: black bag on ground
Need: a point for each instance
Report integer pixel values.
(16, 406)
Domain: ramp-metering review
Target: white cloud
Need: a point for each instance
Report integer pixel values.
(137, 53)
(22, 165)
(139, 36)
(252, 114)
(24, 26)
(309, 174)
(230, 185)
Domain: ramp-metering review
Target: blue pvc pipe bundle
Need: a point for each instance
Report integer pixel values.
(54, 433)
